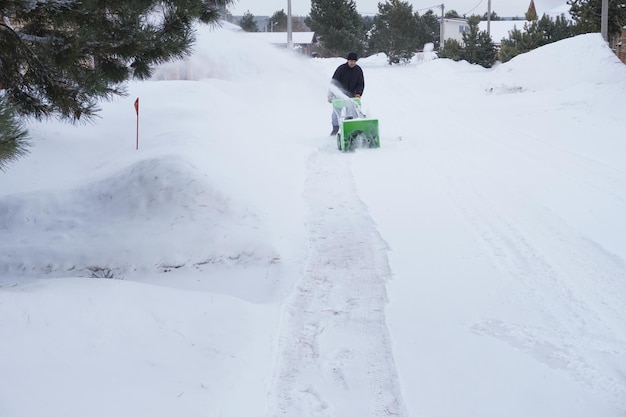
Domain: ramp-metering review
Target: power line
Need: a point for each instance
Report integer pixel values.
(474, 8)
(437, 6)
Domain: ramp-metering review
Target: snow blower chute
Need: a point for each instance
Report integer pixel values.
(355, 129)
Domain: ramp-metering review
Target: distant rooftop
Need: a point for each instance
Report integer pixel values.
(278, 38)
(499, 29)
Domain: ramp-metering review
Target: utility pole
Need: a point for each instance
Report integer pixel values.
(289, 31)
(604, 20)
(441, 29)
(489, 18)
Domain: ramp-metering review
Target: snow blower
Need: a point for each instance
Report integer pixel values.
(355, 129)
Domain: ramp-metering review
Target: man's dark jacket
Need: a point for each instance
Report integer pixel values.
(350, 80)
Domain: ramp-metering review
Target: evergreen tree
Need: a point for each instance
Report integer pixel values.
(520, 42)
(248, 23)
(535, 34)
(554, 30)
(395, 31)
(428, 28)
(338, 25)
(59, 58)
(478, 46)
(279, 21)
(562, 29)
(368, 23)
(587, 15)
(452, 14)
(13, 137)
(451, 49)
(494, 17)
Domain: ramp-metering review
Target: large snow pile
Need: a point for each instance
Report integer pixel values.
(569, 66)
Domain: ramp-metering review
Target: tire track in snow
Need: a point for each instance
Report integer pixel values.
(334, 353)
(578, 278)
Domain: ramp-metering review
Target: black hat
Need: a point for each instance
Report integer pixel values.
(352, 56)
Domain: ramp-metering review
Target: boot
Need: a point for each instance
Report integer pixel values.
(335, 131)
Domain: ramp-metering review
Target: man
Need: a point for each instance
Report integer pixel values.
(349, 78)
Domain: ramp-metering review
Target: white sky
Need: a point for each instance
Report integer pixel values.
(303, 7)
(475, 261)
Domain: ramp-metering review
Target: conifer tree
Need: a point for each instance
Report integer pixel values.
(248, 23)
(395, 31)
(279, 21)
(562, 29)
(61, 57)
(338, 25)
(535, 33)
(521, 41)
(428, 28)
(452, 14)
(452, 50)
(587, 14)
(13, 136)
(493, 17)
(478, 46)
(554, 30)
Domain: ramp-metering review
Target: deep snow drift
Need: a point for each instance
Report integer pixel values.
(475, 264)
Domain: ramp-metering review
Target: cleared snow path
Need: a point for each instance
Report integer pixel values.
(334, 355)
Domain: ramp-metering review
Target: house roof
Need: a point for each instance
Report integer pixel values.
(455, 19)
(280, 38)
(499, 29)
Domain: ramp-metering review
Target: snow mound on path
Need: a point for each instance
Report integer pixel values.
(159, 212)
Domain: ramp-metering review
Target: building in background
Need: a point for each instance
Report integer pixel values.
(303, 42)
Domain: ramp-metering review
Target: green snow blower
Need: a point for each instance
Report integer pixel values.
(355, 129)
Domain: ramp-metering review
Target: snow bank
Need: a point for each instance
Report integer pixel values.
(159, 212)
(584, 59)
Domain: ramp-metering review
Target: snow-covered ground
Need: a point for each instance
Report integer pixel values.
(473, 265)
